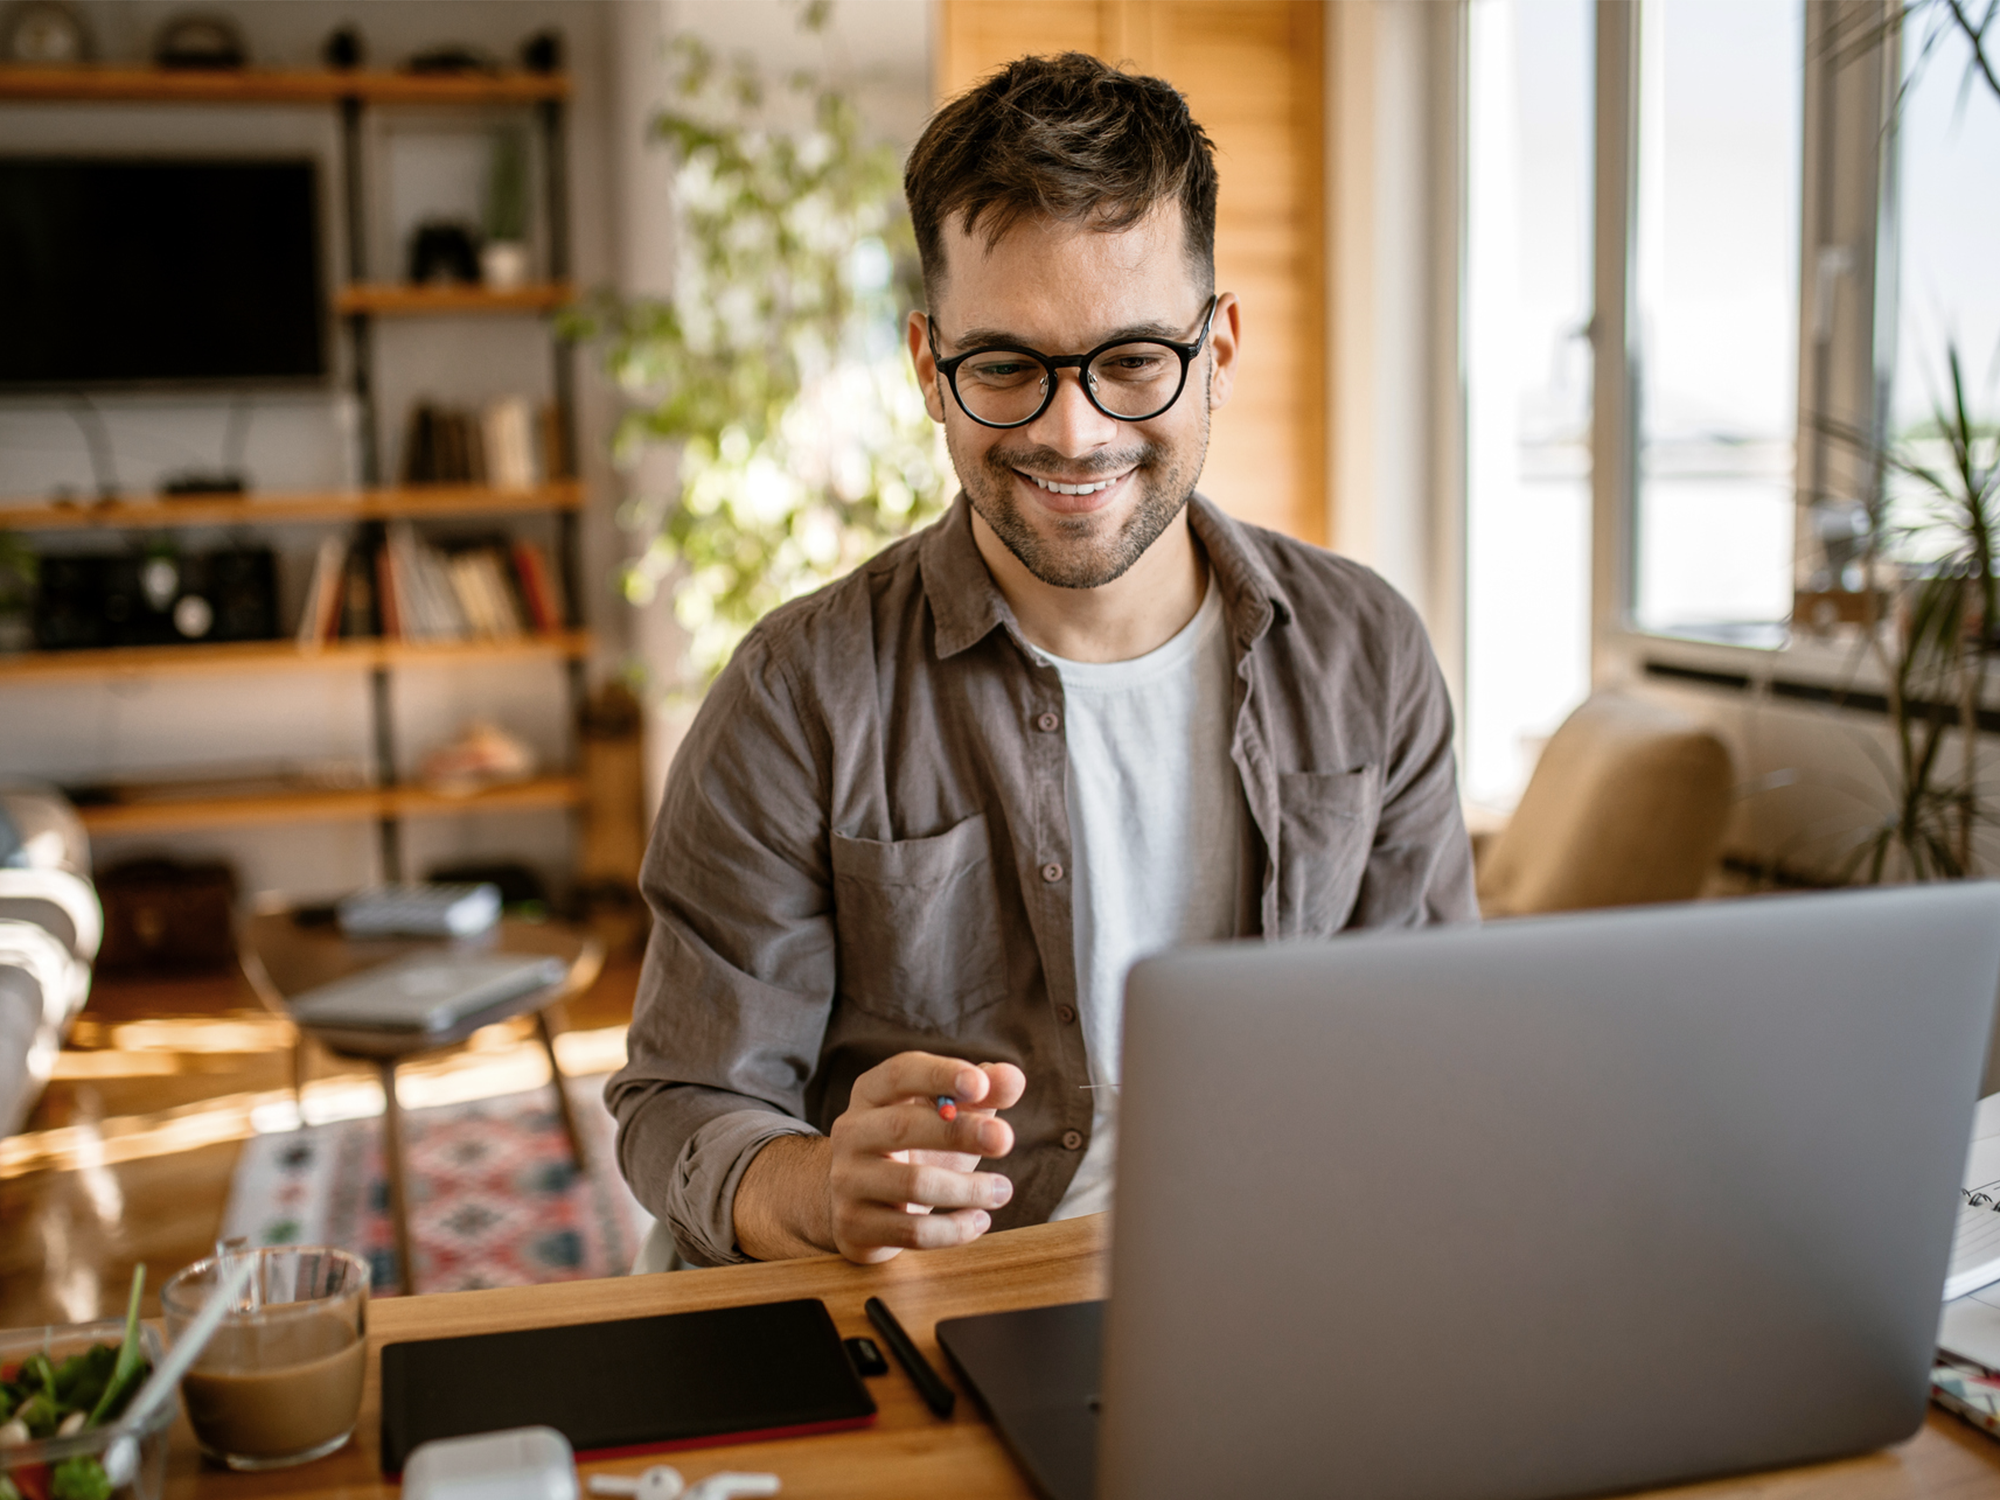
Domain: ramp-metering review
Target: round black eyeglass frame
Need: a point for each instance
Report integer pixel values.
(1051, 363)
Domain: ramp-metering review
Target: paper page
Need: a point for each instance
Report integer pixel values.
(1975, 1250)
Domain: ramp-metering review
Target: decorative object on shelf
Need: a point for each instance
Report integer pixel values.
(483, 755)
(542, 53)
(164, 916)
(200, 40)
(196, 483)
(344, 50)
(442, 251)
(451, 58)
(140, 599)
(805, 446)
(503, 259)
(46, 34)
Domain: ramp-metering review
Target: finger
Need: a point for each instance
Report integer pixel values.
(882, 1180)
(871, 1225)
(1005, 1084)
(919, 1127)
(918, 1075)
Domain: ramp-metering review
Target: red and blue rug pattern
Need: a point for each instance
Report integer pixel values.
(495, 1196)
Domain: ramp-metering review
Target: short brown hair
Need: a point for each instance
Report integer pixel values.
(1067, 138)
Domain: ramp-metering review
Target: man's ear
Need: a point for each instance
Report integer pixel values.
(1224, 339)
(917, 332)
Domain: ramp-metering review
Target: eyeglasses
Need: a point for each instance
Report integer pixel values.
(1129, 380)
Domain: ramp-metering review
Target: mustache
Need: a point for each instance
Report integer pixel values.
(1044, 460)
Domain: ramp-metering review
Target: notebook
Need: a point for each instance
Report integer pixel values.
(431, 991)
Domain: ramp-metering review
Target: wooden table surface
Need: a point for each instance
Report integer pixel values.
(909, 1452)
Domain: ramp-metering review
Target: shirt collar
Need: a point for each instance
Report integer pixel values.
(967, 605)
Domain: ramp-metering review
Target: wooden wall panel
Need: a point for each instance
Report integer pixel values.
(1252, 72)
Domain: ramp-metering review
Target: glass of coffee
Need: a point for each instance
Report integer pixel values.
(280, 1382)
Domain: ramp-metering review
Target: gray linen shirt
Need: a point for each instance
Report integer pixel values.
(864, 849)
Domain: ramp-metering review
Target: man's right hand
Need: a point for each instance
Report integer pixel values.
(893, 1174)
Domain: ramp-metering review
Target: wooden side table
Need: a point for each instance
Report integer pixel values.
(283, 957)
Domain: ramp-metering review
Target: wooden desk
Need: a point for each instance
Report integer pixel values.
(909, 1452)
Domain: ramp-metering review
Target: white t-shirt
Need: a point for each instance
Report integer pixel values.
(1156, 821)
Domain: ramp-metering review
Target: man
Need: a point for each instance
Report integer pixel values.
(929, 816)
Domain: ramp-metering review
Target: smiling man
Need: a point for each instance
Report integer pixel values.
(929, 816)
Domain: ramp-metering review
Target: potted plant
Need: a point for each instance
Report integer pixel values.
(777, 366)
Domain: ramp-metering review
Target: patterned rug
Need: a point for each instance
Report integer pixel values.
(495, 1199)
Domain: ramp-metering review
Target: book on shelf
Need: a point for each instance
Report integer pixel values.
(406, 588)
(494, 446)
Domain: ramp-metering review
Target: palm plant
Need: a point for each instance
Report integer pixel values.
(1934, 654)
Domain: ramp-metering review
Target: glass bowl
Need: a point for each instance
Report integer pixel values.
(30, 1465)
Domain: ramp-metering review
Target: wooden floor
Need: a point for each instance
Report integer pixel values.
(128, 1156)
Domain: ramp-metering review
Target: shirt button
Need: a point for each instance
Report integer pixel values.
(1072, 1140)
(1066, 1014)
(1047, 723)
(1052, 872)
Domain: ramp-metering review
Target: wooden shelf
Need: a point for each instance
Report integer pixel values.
(414, 502)
(221, 657)
(398, 300)
(306, 806)
(110, 83)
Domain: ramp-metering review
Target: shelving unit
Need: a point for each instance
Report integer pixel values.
(356, 304)
(362, 804)
(267, 656)
(411, 502)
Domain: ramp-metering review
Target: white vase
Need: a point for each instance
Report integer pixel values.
(503, 265)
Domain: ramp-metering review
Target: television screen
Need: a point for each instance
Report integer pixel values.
(124, 272)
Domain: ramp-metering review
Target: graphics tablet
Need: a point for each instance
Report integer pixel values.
(682, 1380)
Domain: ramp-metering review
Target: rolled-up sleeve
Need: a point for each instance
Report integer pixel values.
(740, 968)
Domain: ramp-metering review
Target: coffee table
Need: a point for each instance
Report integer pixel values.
(283, 956)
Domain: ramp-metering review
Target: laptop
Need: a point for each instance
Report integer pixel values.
(427, 991)
(1551, 1207)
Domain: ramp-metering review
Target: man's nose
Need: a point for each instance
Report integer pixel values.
(1071, 424)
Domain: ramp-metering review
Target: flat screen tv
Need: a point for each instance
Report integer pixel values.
(139, 272)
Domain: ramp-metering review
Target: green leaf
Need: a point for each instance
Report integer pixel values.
(131, 1366)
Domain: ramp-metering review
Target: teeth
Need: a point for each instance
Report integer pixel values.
(1074, 489)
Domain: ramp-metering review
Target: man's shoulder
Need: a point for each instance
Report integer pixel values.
(842, 620)
(1327, 594)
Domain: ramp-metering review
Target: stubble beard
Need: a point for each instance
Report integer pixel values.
(1075, 552)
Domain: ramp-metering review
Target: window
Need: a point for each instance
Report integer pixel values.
(1528, 386)
(1716, 303)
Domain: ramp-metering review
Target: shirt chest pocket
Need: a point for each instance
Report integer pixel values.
(918, 923)
(1326, 827)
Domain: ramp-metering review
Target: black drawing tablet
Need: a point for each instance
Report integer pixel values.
(726, 1374)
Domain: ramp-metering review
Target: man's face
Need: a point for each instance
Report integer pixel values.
(1075, 495)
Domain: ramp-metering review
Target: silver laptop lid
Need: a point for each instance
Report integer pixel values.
(431, 990)
(1546, 1208)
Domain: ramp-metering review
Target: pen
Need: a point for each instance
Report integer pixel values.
(938, 1396)
(947, 1107)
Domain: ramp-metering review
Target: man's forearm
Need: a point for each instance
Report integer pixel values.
(784, 1202)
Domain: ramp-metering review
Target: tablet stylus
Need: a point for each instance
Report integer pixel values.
(938, 1396)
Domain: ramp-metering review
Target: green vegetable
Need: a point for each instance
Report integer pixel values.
(80, 1380)
(81, 1478)
(41, 1413)
(7, 1490)
(131, 1365)
(38, 1374)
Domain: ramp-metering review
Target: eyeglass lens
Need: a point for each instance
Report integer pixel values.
(1131, 381)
